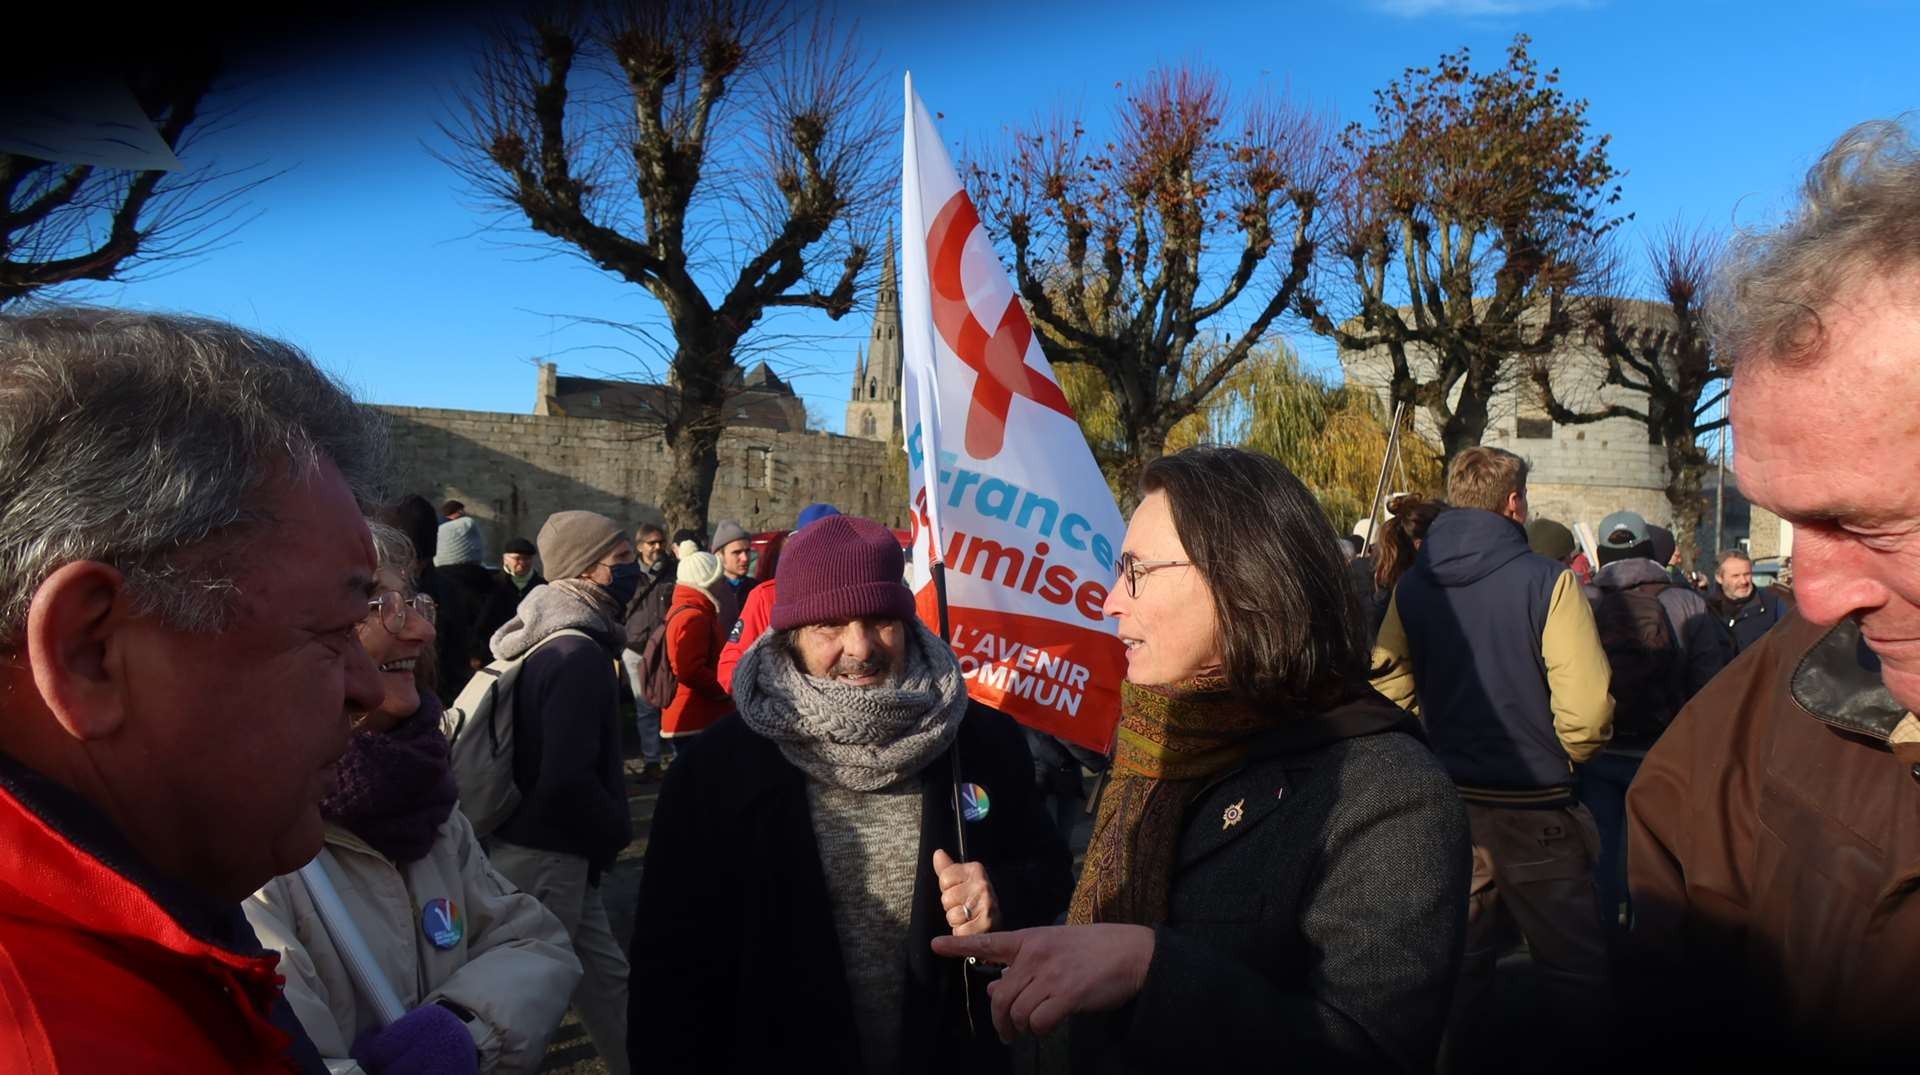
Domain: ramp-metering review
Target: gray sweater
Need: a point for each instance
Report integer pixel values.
(868, 844)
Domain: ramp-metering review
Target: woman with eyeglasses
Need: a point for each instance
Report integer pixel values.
(1279, 865)
(483, 969)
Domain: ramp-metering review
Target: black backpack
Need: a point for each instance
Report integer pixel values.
(1643, 649)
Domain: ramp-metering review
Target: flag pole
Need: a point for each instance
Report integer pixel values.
(1380, 486)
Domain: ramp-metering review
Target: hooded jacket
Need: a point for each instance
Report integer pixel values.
(566, 731)
(1495, 647)
(693, 647)
(105, 966)
(1774, 836)
(509, 961)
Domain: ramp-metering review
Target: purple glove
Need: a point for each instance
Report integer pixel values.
(429, 1040)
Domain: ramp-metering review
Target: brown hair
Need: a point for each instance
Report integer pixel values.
(1400, 538)
(1289, 629)
(1483, 477)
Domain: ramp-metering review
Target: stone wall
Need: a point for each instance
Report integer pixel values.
(513, 470)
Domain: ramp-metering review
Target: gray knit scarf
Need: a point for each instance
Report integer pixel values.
(558, 606)
(858, 738)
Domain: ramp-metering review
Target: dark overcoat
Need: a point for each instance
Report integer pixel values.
(1317, 915)
(735, 963)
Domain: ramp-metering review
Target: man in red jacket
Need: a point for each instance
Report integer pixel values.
(757, 613)
(182, 566)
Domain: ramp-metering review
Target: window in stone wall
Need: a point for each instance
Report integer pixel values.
(1533, 428)
(1532, 422)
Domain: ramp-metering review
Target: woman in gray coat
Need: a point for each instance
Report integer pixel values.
(1279, 868)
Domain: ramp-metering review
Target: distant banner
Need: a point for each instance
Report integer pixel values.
(1005, 490)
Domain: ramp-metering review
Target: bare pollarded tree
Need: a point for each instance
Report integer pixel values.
(1468, 227)
(1661, 353)
(1162, 258)
(721, 154)
(64, 220)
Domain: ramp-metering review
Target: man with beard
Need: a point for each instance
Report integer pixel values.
(1747, 611)
(1774, 831)
(807, 848)
(646, 614)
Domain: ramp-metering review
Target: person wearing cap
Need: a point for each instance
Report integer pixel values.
(808, 848)
(573, 819)
(733, 545)
(646, 615)
(693, 644)
(458, 551)
(518, 576)
(757, 612)
(1495, 648)
(1662, 646)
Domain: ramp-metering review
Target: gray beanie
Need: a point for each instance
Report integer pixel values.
(458, 542)
(728, 533)
(571, 542)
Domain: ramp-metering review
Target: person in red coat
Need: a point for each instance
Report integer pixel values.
(757, 614)
(693, 646)
(185, 568)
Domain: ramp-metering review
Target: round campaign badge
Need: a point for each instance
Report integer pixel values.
(440, 920)
(973, 802)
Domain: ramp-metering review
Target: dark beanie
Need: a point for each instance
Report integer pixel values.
(841, 568)
(572, 542)
(1663, 544)
(1550, 539)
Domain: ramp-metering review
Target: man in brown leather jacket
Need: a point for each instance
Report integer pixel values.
(1774, 831)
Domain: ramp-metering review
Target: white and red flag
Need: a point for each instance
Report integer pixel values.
(1006, 493)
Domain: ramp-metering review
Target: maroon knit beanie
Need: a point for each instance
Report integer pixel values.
(841, 568)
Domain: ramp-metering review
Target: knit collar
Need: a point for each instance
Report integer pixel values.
(858, 738)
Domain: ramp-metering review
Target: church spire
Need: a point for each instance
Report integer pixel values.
(888, 297)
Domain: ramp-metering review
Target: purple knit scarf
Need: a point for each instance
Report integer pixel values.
(395, 788)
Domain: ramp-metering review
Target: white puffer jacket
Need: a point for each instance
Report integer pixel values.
(505, 958)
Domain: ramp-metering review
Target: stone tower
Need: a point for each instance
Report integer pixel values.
(874, 412)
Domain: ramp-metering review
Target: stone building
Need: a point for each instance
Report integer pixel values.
(1578, 473)
(756, 399)
(874, 413)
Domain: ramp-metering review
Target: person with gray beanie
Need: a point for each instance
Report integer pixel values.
(807, 849)
(573, 819)
(734, 546)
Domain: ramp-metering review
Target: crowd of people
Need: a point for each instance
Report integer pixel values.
(290, 780)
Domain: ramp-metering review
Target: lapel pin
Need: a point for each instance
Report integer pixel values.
(1232, 815)
(973, 802)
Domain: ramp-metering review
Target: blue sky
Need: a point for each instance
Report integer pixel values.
(370, 253)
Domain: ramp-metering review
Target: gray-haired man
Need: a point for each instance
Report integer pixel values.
(182, 566)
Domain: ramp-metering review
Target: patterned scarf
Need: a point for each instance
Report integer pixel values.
(857, 738)
(1172, 741)
(395, 788)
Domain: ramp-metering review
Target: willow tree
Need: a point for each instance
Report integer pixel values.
(1660, 356)
(1194, 225)
(1469, 221)
(720, 155)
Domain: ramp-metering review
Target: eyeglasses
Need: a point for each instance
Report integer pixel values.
(1130, 569)
(392, 609)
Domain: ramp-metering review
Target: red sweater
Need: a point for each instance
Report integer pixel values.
(755, 616)
(97, 975)
(693, 644)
